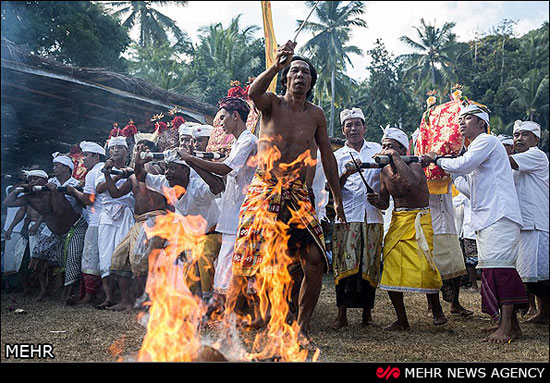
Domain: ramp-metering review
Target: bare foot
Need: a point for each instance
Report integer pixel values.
(87, 299)
(439, 320)
(458, 309)
(103, 305)
(397, 326)
(41, 296)
(339, 323)
(120, 307)
(500, 336)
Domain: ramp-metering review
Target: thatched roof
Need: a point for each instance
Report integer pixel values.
(48, 106)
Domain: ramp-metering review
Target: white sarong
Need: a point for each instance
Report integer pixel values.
(532, 262)
(223, 264)
(90, 253)
(14, 249)
(498, 244)
(111, 234)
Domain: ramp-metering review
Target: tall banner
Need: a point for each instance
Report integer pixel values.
(270, 41)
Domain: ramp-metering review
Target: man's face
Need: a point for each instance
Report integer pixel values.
(60, 170)
(298, 79)
(186, 141)
(176, 174)
(90, 159)
(523, 140)
(470, 126)
(118, 152)
(200, 144)
(391, 144)
(37, 181)
(354, 129)
(228, 121)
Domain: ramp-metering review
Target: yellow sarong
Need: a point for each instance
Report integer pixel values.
(408, 254)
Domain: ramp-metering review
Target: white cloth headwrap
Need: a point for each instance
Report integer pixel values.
(396, 134)
(476, 111)
(171, 155)
(92, 147)
(117, 141)
(202, 131)
(186, 129)
(62, 159)
(346, 114)
(505, 140)
(530, 126)
(36, 173)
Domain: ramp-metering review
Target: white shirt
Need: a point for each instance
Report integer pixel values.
(112, 208)
(237, 182)
(354, 192)
(319, 190)
(442, 212)
(197, 200)
(10, 216)
(89, 188)
(491, 184)
(531, 181)
(464, 226)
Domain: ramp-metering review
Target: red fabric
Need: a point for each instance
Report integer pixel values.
(499, 287)
(89, 284)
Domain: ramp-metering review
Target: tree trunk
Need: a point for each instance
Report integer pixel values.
(332, 98)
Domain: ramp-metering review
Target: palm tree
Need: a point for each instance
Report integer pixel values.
(434, 45)
(332, 33)
(531, 94)
(152, 24)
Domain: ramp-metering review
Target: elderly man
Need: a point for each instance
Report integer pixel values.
(185, 132)
(116, 217)
(289, 126)
(357, 250)
(201, 136)
(496, 217)
(94, 155)
(530, 170)
(408, 245)
(239, 172)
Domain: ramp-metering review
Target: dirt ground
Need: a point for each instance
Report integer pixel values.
(85, 334)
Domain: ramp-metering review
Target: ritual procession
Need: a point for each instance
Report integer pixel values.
(287, 191)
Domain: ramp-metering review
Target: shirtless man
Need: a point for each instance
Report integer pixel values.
(60, 218)
(409, 189)
(289, 126)
(124, 264)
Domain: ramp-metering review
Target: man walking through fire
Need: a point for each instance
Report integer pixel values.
(278, 194)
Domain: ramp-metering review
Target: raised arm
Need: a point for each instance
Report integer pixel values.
(258, 89)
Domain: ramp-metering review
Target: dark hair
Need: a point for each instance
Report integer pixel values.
(312, 71)
(242, 113)
(150, 144)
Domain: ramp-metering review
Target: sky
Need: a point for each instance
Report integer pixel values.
(387, 20)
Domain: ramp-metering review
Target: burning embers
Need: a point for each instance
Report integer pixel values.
(177, 327)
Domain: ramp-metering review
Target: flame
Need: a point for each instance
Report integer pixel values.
(176, 310)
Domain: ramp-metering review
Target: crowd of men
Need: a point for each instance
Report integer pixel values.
(389, 232)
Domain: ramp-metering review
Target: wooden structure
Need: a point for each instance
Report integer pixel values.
(48, 106)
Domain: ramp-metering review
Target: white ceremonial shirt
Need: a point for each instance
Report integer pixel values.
(197, 200)
(237, 182)
(442, 212)
(94, 210)
(531, 179)
(354, 192)
(113, 208)
(464, 228)
(490, 182)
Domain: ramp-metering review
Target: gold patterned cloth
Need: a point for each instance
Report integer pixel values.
(265, 203)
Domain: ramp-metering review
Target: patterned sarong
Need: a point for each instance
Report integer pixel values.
(69, 250)
(408, 258)
(266, 202)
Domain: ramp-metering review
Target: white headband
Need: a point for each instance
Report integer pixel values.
(186, 129)
(92, 147)
(505, 140)
(117, 141)
(476, 111)
(396, 134)
(346, 114)
(202, 131)
(62, 159)
(530, 126)
(36, 173)
(172, 155)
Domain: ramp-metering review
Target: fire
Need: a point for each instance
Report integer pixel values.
(175, 315)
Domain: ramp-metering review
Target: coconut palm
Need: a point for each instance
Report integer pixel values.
(432, 61)
(331, 34)
(152, 24)
(531, 94)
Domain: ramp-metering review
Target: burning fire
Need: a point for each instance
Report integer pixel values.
(176, 311)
